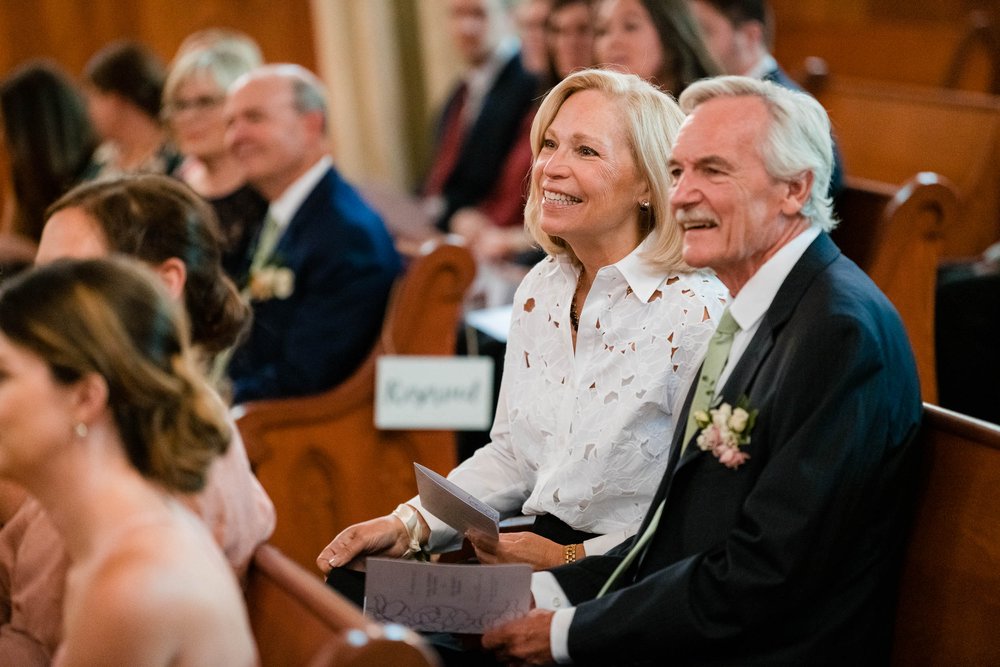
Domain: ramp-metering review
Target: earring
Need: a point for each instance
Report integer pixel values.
(81, 430)
(644, 205)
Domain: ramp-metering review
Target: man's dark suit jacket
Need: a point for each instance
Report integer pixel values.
(344, 264)
(780, 77)
(489, 139)
(790, 559)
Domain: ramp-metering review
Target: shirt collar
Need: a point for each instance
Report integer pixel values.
(284, 207)
(757, 294)
(643, 277)
(764, 66)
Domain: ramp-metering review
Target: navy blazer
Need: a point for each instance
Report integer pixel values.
(793, 557)
(344, 263)
(489, 139)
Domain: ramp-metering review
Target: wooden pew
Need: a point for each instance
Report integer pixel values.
(949, 600)
(888, 133)
(934, 53)
(895, 234)
(297, 620)
(320, 458)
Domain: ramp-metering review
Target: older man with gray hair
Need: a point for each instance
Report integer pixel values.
(775, 535)
(321, 269)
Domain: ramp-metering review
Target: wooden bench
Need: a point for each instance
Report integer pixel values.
(895, 234)
(888, 133)
(936, 53)
(297, 620)
(320, 458)
(949, 600)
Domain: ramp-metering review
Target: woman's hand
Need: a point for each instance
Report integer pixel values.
(529, 548)
(384, 536)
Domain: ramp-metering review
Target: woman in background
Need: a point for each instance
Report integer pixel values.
(656, 39)
(193, 98)
(123, 84)
(48, 139)
(103, 416)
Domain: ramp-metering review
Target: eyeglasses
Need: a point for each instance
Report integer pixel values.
(201, 103)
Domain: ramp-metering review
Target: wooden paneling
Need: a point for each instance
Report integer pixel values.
(71, 31)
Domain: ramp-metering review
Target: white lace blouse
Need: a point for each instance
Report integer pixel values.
(585, 436)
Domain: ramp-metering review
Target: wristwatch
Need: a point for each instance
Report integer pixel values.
(414, 531)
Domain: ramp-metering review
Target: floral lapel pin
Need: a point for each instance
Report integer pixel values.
(271, 282)
(724, 430)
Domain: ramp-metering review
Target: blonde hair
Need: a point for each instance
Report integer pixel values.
(113, 318)
(651, 120)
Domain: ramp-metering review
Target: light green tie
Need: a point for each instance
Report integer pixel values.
(266, 242)
(711, 369)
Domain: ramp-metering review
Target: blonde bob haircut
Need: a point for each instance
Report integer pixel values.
(650, 119)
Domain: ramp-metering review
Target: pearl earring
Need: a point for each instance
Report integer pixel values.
(644, 205)
(81, 430)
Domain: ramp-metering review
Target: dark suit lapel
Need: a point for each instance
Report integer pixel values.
(308, 212)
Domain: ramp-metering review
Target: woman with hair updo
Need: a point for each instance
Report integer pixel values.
(658, 40)
(163, 223)
(605, 337)
(103, 417)
(193, 96)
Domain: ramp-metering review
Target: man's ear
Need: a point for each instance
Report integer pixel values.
(90, 398)
(797, 193)
(173, 273)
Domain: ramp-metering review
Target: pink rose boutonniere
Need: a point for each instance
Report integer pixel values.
(724, 430)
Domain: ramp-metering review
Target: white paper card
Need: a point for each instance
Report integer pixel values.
(433, 392)
(457, 508)
(494, 322)
(432, 597)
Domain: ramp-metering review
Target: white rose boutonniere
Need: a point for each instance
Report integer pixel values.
(271, 282)
(724, 430)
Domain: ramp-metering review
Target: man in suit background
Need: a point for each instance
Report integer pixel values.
(787, 553)
(483, 114)
(323, 265)
(738, 34)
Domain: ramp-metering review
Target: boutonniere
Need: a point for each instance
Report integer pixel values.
(271, 282)
(724, 430)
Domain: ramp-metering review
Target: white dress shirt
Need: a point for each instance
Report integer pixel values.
(584, 436)
(748, 309)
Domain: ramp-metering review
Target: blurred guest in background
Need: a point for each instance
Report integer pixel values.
(570, 30)
(193, 99)
(656, 39)
(48, 139)
(124, 85)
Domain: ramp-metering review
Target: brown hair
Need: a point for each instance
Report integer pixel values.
(112, 318)
(154, 218)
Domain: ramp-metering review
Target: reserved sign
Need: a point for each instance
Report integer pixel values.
(433, 392)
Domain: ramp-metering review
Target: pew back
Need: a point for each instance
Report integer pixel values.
(320, 458)
(297, 620)
(888, 133)
(949, 602)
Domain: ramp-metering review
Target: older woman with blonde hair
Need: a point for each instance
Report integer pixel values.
(606, 334)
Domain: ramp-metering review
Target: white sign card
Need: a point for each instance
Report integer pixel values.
(431, 597)
(457, 508)
(433, 392)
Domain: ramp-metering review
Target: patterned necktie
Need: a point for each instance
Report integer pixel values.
(711, 369)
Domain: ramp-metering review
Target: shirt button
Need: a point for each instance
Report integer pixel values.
(556, 603)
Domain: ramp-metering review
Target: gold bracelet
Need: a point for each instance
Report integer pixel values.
(569, 553)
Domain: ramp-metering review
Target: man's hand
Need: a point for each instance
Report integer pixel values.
(384, 536)
(529, 548)
(523, 641)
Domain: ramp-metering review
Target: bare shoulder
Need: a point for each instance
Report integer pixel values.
(164, 595)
